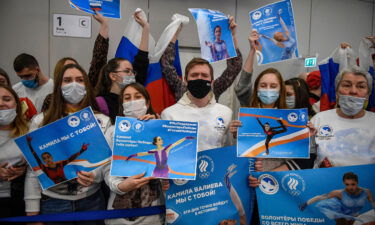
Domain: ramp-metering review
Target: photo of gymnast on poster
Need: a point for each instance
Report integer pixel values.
(215, 37)
(58, 151)
(277, 32)
(158, 148)
(219, 195)
(337, 195)
(273, 133)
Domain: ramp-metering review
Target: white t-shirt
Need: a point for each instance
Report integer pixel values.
(36, 95)
(344, 142)
(213, 120)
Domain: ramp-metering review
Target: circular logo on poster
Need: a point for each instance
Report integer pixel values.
(138, 126)
(85, 115)
(257, 15)
(267, 11)
(292, 117)
(74, 121)
(303, 117)
(268, 184)
(293, 183)
(205, 166)
(124, 126)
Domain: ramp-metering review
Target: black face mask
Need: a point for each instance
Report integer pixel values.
(199, 88)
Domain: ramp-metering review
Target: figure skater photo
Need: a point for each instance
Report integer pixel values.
(218, 48)
(283, 40)
(54, 170)
(161, 156)
(343, 205)
(271, 131)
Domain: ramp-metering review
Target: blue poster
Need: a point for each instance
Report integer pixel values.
(108, 8)
(276, 28)
(215, 37)
(273, 133)
(219, 195)
(337, 195)
(59, 150)
(158, 148)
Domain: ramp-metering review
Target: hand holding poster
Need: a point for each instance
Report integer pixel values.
(219, 195)
(58, 151)
(158, 148)
(338, 195)
(273, 133)
(108, 8)
(275, 25)
(215, 36)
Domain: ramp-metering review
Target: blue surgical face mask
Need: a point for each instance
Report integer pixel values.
(268, 96)
(290, 101)
(30, 83)
(351, 105)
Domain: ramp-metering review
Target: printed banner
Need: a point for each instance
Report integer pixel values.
(158, 148)
(215, 37)
(108, 8)
(338, 195)
(273, 133)
(219, 195)
(276, 28)
(59, 150)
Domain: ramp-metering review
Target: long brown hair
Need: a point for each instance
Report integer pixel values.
(57, 109)
(142, 90)
(60, 64)
(19, 125)
(280, 103)
(103, 86)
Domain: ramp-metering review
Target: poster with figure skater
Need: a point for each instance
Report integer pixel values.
(277, 32)
(273, 133)
(158, 148)
(219, 195)
(215, 37)
(108, 8)
(337, 195)
(58, 151)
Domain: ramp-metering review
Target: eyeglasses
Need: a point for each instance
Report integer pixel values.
(126, 71)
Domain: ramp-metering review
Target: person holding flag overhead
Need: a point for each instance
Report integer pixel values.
(220, 85)
(154, 81)
(119, 72)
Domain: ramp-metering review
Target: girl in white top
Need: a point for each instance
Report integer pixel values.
(135, 191)
(12, 164)
(72, 92)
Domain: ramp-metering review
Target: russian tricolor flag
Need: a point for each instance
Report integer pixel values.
(366, 57)
(156, 85)
(329, 69)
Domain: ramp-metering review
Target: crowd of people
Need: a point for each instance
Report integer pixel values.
(116, 88)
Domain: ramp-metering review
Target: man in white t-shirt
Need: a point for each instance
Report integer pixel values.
(34, 84)
(198, 104)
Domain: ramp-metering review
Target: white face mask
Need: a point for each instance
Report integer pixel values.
(350, 105)
(127, 80)
(73, 92)
(290, 101)
(7, 116)
(135, 108)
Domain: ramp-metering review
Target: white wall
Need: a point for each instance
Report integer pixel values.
(321, 26)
